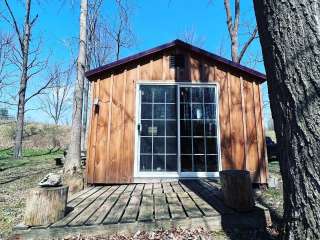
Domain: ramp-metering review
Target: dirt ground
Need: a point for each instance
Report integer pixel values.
(17, 176)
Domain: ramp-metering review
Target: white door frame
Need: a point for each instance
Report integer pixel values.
(179, 173)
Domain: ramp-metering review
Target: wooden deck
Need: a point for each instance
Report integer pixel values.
(133, 207)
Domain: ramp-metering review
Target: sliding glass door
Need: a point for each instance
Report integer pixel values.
(158, 129)
(177, 129)
(198, 129)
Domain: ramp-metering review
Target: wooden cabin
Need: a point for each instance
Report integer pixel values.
(174, 111)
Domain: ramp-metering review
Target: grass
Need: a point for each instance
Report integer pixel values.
(272, 198)
(31, 157)
(274, 168)
(16, 177)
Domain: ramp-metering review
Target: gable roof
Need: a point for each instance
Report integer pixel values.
(176, 43)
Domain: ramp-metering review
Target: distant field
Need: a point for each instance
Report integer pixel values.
(36, 135)
(16, 177)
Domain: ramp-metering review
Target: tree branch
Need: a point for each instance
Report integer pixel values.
(15, 24)
(229, 16)
(237, 16)
(40, 90)
(247, 44)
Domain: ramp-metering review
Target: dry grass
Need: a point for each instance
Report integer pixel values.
(16, 177)
(36, 135)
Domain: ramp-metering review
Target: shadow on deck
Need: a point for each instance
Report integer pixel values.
(146, 207)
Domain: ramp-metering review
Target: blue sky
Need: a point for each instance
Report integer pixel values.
(154, 22)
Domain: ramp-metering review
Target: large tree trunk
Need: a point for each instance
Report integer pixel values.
(23, 82)
(290, 38)
(73, 161)
(85, 115)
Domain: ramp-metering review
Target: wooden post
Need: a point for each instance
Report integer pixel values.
(45, 205)
(237, 189)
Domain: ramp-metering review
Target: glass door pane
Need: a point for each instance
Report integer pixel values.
(158, 128)
(198, 130)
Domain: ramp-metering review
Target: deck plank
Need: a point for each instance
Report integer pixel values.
(117, 210)
(189, 205)
(211, 196)
(148, 187)
(104, 209)
(161, 208)
(177, 187)
(85, 215)
(83, 196)
(129, 189)
(146, 208)
(119, 207)
(167, 187)
(75, 195)
(175, 206)
(131, 212)
(206, 208)
(83, 205)
(157, 189)
(138, 190)
(185, 187)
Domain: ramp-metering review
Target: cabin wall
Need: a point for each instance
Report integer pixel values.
(111, 141)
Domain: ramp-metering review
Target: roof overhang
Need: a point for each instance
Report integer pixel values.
(176, 43)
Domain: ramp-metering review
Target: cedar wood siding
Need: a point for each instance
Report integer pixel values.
(111, 140)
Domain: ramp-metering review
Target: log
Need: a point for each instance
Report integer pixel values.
(45, 205)
(58, 161)
(237, 190)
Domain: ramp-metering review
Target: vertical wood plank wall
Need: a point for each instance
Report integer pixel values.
(111, 145)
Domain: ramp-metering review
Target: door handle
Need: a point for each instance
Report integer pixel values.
(139, 128)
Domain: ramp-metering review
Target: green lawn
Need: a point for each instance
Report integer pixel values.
(17, 176)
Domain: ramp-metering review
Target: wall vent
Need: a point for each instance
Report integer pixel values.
(176, 61)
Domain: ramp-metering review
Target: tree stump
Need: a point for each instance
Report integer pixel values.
(237, 189)
(45, 205)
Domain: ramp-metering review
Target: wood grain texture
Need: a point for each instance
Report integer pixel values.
(260, 133)
(112, 131)
(237, 190)
(45, 205)
(224, 114)
(237, 137)
(103, 124)
(252, 146)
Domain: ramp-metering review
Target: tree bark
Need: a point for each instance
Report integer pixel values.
(45, 205)
(23, 81)
(85, 115)
(237, 189)
(73, 161)
(290, 38)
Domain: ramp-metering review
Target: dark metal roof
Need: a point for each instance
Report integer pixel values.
(176, 43)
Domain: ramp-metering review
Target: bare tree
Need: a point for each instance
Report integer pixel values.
(27, 61)
(55, 101)
(290, 39)
(190, 36)
(121, 32)
(5, 52)
(73, 162)
(98, 52)
(233, 23)
(98, 43)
